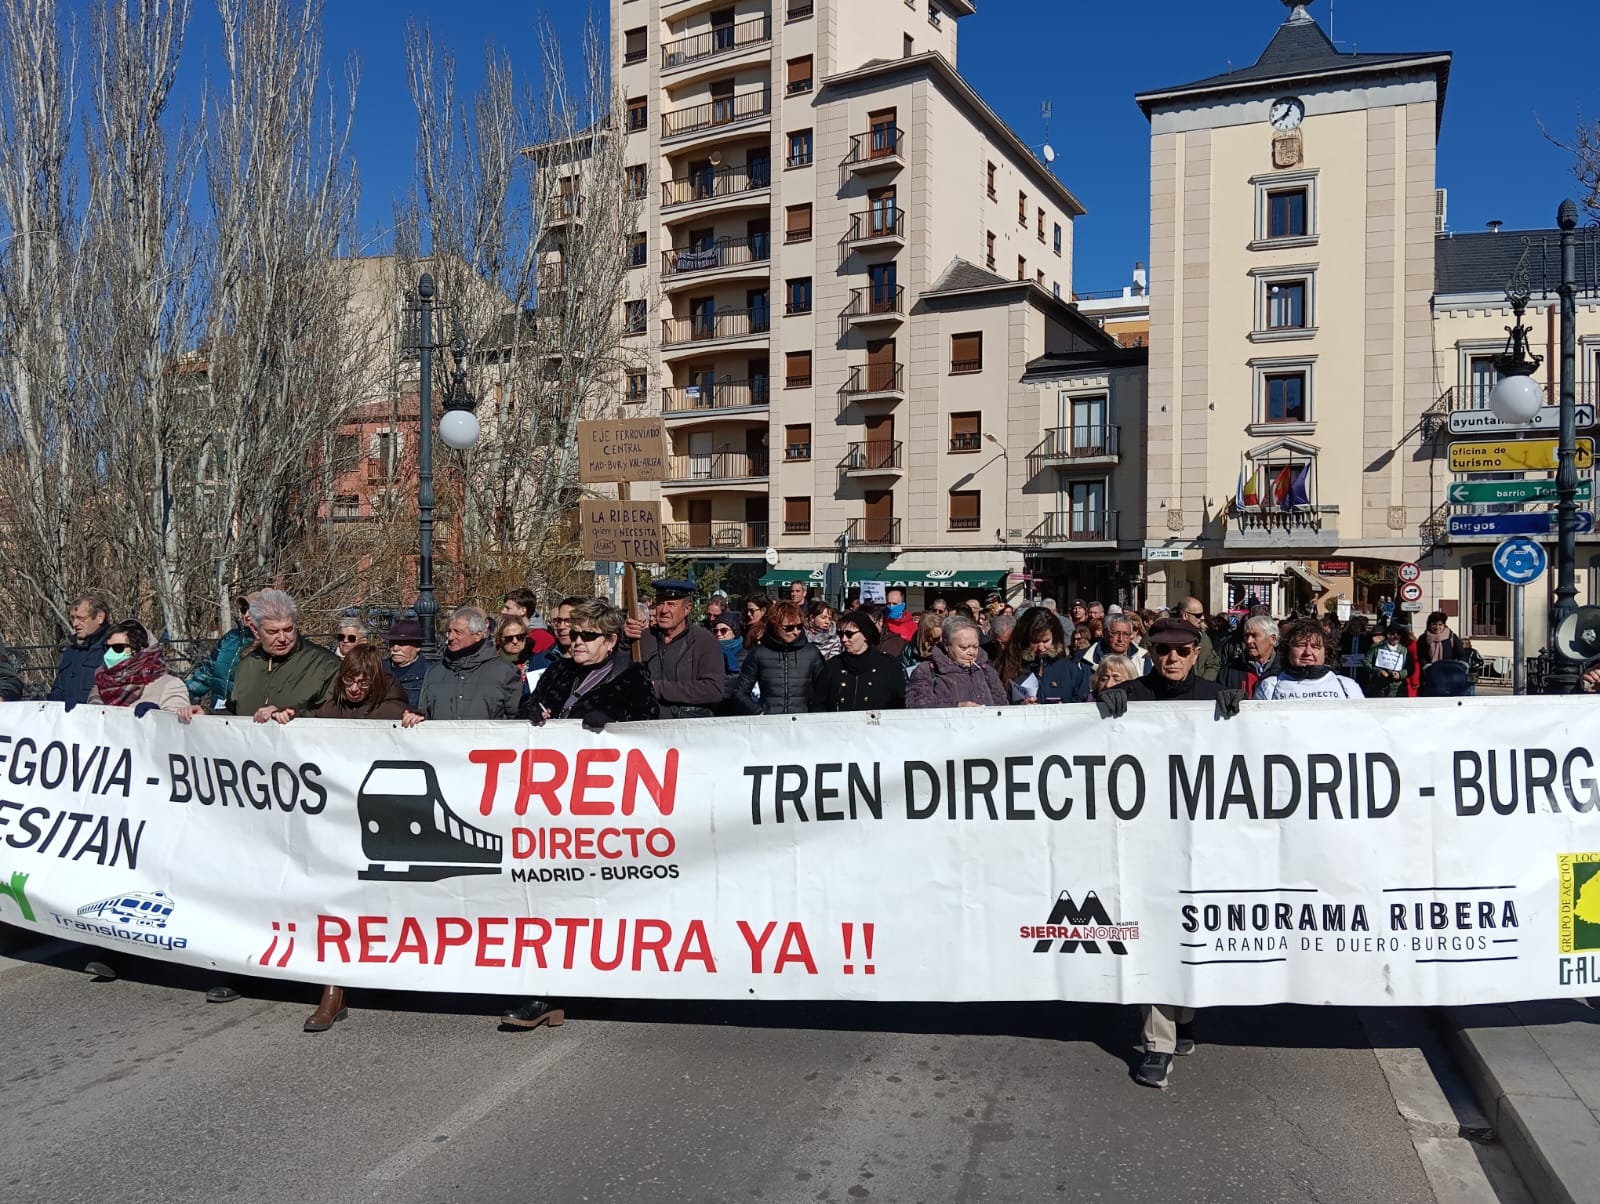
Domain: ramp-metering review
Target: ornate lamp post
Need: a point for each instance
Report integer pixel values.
(458, 427)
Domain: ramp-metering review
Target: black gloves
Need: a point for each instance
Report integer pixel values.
(595, 721)
(1228, 703)
(144, 708)
(1113, 704)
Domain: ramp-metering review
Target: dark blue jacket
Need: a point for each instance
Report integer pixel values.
(80, 660)
(1065, 679)
(410, 678)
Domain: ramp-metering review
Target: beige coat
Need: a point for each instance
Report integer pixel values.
(167, 692)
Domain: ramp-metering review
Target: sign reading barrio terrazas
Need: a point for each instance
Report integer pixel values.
(1414, 853)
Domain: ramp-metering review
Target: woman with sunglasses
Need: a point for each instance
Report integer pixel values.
(515, 642)
(784, 665)
(860, 678)
(351, 633)
(755, 619)
(598, 683)
(726, 628)
(133, 673)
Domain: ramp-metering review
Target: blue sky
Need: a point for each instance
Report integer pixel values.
(1088, 59)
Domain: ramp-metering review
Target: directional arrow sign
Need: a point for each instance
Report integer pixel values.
(1519, 561)
(1515, 524)
(1546, 421)
(1483, 493)
(1512, 455)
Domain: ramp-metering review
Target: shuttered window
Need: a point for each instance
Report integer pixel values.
(966, 352)
(797, 223)
(634, 49)
(797, 442)
(798, 77)
(965, 513)
(797, 370)
(966, 431)
(797, 516)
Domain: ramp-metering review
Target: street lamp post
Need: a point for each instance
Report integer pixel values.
(458, 427)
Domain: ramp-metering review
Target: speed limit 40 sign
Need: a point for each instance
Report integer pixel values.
(1411, 592)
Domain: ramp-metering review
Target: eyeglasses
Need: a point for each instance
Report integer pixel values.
(349, 639)
(560, 622)
(792, 627)
(752, 610)
(1194, 614)
(846, 632)
(1178, 650)
(724, 632)
(939, 610)
(119, 647)
(513, 639)
(588, 637)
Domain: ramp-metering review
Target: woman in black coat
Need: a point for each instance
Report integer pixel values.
(784, 664)
(860, 678)
(598, 683)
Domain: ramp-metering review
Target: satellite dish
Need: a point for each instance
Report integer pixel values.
(1049, 153)
(771, 557)
(1578, 637)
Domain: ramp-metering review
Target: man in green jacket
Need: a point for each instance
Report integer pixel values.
(283, 674)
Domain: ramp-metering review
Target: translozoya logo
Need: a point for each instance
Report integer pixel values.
(1086, 926)
(17, 891)
(1579, 877)
(137, 917)
(410, 834)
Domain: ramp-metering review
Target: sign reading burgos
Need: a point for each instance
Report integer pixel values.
(1417, 853)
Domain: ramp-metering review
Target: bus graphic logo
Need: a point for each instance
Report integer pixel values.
(136, 909)
(409, 833)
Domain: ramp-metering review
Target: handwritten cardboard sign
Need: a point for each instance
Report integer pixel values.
(621, 449)
(627, 531)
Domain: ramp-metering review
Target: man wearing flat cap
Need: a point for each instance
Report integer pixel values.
(684, 660)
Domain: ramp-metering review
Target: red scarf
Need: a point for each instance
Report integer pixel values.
(121, 687)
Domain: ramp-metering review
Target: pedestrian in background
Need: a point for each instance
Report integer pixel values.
(821, 629)
(726, 632)
(1390, 665)
(405, 663)
(83, 655)
(350, 632)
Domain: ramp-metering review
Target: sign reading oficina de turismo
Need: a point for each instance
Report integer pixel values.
(1414, 853)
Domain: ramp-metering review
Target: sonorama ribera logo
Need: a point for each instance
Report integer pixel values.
(1081, 927)
(410, 834)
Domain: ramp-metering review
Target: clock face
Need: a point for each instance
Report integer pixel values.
(1287, 114)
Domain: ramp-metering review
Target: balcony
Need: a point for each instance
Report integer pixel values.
(1315, 527)
(722, 184)
(876, 458)
(716, 114)
(717, 43)
(873, 306)
(875, 228)
(715, 468)
(966, 441)
(724, 324)
(1075, 527)
(684, 262)
(563, 210)
(868, 382)
(1075, 446)
(712, 398)
(715, 536)
(880, 150)
(873, 532)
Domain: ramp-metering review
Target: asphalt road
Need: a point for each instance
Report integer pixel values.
(138, 1090)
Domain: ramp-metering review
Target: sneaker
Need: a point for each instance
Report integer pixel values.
(1152, 1070)
(1185, 1043)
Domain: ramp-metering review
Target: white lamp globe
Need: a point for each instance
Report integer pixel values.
(1516, 399)
(459, 429)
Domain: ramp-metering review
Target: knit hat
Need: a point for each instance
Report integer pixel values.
(864, 624)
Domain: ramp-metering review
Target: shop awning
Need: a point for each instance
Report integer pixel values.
(1314, 582)
(994, 578)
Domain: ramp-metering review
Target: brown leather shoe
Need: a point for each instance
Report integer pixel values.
(329, 1012)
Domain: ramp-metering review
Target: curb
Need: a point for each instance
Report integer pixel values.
(1552, 1136)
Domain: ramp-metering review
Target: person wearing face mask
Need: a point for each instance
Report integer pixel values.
(134, 673)
(784, 665)
(896, 621)
(1305, 672)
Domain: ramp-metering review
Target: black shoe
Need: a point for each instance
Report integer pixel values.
(1152, 1071)
(222, 994)
(102, 971)
(534, 1013)
(1185, 1044)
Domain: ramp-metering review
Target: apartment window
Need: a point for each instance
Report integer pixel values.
(634, 47)
(797, 223)
(966, 352)
(988, 243)
(638, 383)
(797, 370)
(1022, 267)
(965, 509)
(1286, 209)
(633, 317)
(799, 148)
(1022, 209)
(1041, 225)
(1286, 304)
(1489, 600)
(799, 10)
(1285, 397)
(797, 296)
(1058, 238)
(1055, 287)
(638, 113)
(383, 449)
(966, 431)
(346, 506)
(797, 442)
(635, 181)
(797, 516)
(637, 249)
(1286, 213)
(993, 195)
(798, 78)
(1038, 277)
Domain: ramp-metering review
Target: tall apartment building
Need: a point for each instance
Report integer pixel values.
(846, 263)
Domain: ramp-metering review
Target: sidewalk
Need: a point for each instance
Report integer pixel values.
(1536, 1070)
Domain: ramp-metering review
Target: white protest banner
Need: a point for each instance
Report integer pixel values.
(1408, 853)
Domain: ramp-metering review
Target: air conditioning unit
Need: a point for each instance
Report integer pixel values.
(1441, 209)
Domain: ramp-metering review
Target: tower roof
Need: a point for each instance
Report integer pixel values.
(1299, 51)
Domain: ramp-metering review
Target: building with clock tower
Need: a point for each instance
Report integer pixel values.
(1292, 222)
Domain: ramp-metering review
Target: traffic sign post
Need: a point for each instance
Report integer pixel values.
(1410, 591)
(1410, 571)
(1540, 523)
(1491, 493)
(1519, 561)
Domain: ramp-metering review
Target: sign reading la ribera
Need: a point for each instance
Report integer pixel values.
(1411, 853)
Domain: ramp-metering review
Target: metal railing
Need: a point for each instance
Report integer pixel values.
(801, 10)
(875, 455)
(874, 378)
(724, 253)
(564, 209)
(717, 466)
(724, 39)
(963, 367)
(797, 451)
(723, 111)
(1279, 520)
(875, 302)
(966, 441)
(876, 223)
(886, 142)
(723, 324)
(1066, 443)
(965, 523)
(797, 526)
(715, 535)
(36, 663)
(714, 395)
(876, 531)
(709, 185)
(1073, 526)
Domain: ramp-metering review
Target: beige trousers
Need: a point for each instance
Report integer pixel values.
(1161, 1022)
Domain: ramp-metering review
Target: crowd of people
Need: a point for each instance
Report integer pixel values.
(589, 660)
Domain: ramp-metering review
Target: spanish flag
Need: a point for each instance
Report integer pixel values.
(1248, 494)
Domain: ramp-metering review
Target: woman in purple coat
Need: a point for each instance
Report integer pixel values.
(957, 674)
